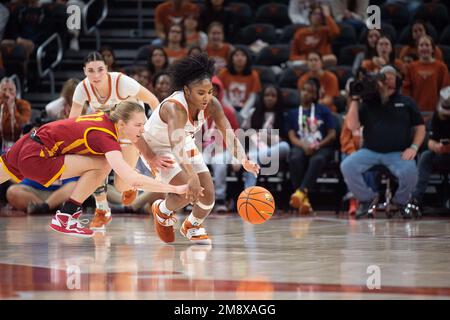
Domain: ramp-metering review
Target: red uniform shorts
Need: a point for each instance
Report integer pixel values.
(26, 159)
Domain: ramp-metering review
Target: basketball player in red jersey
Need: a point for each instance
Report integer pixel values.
(86, 146)
(101, 91)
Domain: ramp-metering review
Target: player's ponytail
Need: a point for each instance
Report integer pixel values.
(124, 111)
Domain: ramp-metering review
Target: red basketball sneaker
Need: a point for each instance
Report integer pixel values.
(195, 234)
(163, 223)
(71, 225)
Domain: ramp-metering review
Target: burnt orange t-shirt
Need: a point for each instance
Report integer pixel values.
(12, 128)
(350, 141)
(220, 56)
(238, 87)
(423, 82)
(328, 82)
(407, 50)
(174, 55)
(307, 40)
(370, 66)
(167, 15)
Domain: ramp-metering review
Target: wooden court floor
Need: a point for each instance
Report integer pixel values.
(288, 257)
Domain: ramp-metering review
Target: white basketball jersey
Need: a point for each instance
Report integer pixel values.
(156, 130)
(97, 103)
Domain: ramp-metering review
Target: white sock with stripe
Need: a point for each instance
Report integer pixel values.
(195, 221)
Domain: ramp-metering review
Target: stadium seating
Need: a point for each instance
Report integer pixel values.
(273, 55)
(273, 13)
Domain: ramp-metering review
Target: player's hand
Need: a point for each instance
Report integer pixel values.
(251, 167)
(195, 189)
(157, 162)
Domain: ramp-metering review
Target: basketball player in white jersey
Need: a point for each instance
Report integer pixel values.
(102, 90)
(170, 130)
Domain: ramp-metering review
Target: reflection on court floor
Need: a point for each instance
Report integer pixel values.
(289, 257)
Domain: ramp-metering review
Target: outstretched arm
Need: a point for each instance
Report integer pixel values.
(215, 110)
(149, 98)
(136, 180)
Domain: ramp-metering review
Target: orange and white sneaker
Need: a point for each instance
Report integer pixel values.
(195, 234)
(163, 223)
(128, 197)
(101, 219)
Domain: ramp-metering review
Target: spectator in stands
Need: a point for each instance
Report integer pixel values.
(388, 119)
(241, 84)
(175, 43)
(60, 108)
(2, 69)
(438, 153)
(299, 11)
(33, 197)
(385, 56)
(162, 85)
(408, 53)
(194, 37)
(370, 51)
(157, 60)
(171, 12)
(110, 58)
(195, 50)
(316, 37)
(144, 78)
(328, 80)
(217, 49)
(219, 158)
(14, 114)
(4, 16)
(265, 143)
(215, 11)
(426, 77)
(311, 131)
(353, 13)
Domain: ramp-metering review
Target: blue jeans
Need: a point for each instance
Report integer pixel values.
(370, 178)
(354, 166)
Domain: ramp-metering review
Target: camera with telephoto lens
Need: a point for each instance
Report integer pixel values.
(366, 85)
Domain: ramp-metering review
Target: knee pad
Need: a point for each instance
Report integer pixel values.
(204, 206)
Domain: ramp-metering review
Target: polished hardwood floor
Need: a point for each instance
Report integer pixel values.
(288, 257)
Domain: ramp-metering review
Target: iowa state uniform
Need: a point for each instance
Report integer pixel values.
(39, 155)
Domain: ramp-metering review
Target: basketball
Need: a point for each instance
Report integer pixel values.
(256, 205)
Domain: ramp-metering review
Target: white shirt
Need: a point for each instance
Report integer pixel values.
(120, 88)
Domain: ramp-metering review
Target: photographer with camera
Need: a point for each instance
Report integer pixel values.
(438, 154)
(388, 120)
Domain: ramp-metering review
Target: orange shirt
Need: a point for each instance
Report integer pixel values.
(220, 56)
(350, 141)
(423, 82)
(166, 13)
(12, 128)
(308, 40)
(174, 55)
(238, 87)
(328, 82)
(407, 50)
(370, 66)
